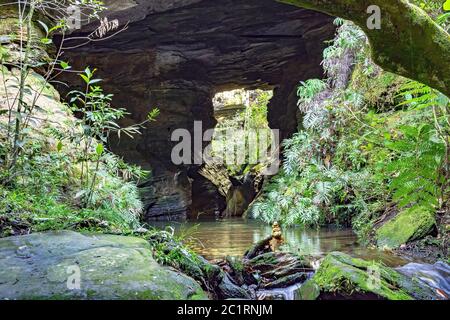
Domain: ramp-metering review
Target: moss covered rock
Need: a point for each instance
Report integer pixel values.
(341, 276)
(46, 265)
(410, 224)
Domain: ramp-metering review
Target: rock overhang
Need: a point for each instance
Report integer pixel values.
(176, 54)
(234, 43)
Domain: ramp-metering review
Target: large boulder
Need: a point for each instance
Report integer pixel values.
(410, 224)
(342, 277)
(46, 266)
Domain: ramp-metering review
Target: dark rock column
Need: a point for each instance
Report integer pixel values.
(282, 111)
(207, 201)
(181, 103)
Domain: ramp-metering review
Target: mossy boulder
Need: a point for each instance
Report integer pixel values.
(410, 224)
(46, 266)
(344, 277)
(405, 28)
(307, 291)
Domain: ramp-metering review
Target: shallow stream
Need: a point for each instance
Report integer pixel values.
(232, 237)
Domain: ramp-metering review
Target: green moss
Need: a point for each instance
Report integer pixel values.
(410, 224)
(342, 274)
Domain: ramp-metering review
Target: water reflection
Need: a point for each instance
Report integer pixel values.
(217, 239)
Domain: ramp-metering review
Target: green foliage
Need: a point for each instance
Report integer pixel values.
(55, 175)
(284, 202)
(311, 190)
(365, 147)
(309, 89)
(255, 117)
(43, 197)
(349, 41)
(234, 133)
(421, 169)
(415, 170)
(35, 38)
(97, 121)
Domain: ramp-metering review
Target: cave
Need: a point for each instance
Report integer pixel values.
(176, 55)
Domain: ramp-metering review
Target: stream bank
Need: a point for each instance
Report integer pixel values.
(266, 273)
(66, 265)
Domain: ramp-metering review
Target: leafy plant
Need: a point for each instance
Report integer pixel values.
(32, 36)
(97, 121)
(233, 134)
(309, 89)
(59, 176)
(415, 171)
(422, 167)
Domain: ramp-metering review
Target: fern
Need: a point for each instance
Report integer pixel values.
(418, 95)
(415, 171)
(309, 89)
(421, 167)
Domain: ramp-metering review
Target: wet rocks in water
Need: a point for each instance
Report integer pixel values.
(170, 252)
(239, 278)
(235, 268)
(228, 289)
(215, 278)
(278, 269)
(259, 248)
(272, 269)
(307, 291)
(261, 269)
(286, 281)
(342, 277)
(265, 274)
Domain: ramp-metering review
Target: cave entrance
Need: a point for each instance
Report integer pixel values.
(241, 140)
